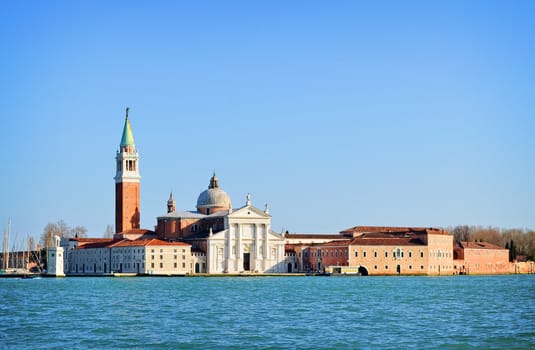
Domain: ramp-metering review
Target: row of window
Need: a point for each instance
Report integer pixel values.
(127, 265)
(440, 254)
(98, 268)
(326, 253)
(174, 250)
(126, 257)
(130, 165)
(435, 267)
(132, 250)
(410, 267)
(331, 252)
(175, 265)
(396, 254)
(174, 257)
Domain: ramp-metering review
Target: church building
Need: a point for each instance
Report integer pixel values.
(214, 238)
(223, 239)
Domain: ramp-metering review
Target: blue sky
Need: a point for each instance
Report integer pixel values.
(336, 113)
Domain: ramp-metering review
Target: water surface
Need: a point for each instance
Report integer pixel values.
(459, 312)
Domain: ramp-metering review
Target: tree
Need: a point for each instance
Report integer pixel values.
(54, 229)
(60, 229)
(530, 252)
(489, 234)
(462, 233)
(78, 231)
(512, 251)
(109, 231)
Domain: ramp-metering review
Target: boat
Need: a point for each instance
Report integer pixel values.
(16, 264)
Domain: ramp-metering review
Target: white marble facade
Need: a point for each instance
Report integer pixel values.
(246, 245)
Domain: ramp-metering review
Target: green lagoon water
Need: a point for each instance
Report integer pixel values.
(460, 312)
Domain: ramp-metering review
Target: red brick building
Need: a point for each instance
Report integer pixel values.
(480, 258)
(372, 250)
(127, 179)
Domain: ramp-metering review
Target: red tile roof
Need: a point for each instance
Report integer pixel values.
(387, 239)
(92, 242)
(147, 242)
(103, 244)
(479, 245)
(137, 231)
(110, 243)
(313, 236)
(391, 229)
(344, 242)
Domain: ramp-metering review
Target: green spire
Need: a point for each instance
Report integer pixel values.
(128, 137)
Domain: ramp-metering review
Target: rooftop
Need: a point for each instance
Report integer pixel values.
(128, 138)
(479, 245)
(147, 242)
(192, 214)
(357, 230)
(313, 236)
(386, 239)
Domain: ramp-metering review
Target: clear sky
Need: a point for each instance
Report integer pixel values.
(336, 113)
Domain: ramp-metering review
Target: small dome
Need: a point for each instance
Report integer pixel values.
(213, 197)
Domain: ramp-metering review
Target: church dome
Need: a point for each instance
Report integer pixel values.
(213, 199)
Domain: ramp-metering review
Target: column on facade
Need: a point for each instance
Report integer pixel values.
(267, 257)
(228, 260)
(239, 249)
(256, 248)
(209, 258)
(281, 265)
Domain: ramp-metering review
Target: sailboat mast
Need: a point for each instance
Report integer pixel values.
(7, 241)
(27, 259)
(7, 244)
(4, 251)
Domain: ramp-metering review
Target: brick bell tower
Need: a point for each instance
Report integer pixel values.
(127, 182)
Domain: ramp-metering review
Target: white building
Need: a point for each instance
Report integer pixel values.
(246, 244)
(103, 256)
(225, 240)
(55, 257)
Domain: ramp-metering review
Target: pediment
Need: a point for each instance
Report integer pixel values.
(249, 212)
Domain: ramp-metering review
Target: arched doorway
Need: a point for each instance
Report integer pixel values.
(398, 269)
(289, 267)
(197, 268)
(363, 271)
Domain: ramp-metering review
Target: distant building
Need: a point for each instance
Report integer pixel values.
(214, 238)
(369, 250)
(225, 240)
(303, 251)
(100, 256)
(481, 258)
